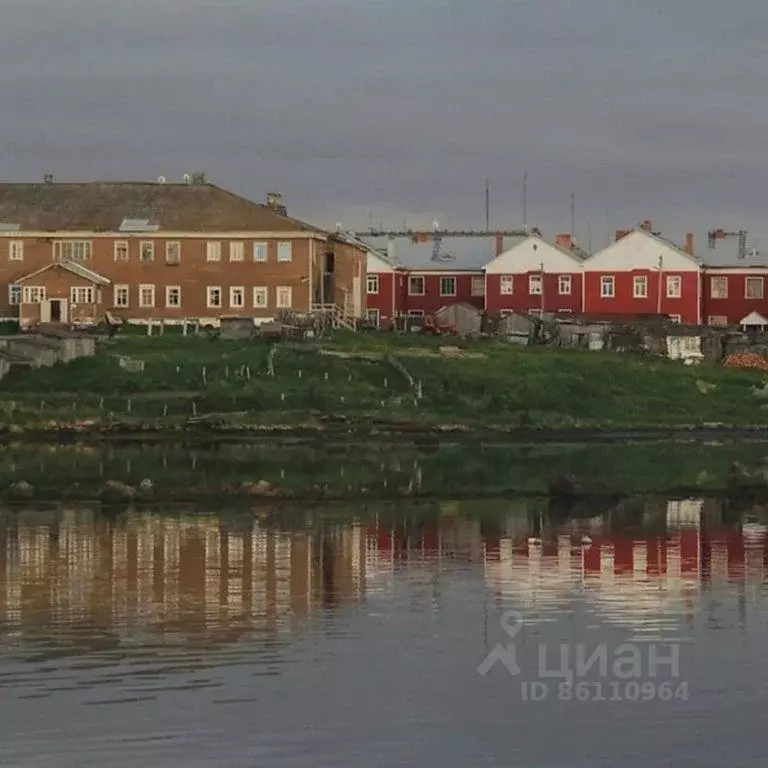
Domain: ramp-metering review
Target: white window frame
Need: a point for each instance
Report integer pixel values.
(235, 291)
(16, 250)
(423, 290)
(754, 280)
(237, 250)
(14, 295)
(507, 285)
(82, 294)
(32, 294)
(674, 286)
(209, 293)
(477, 286)
(260, 252)
(118, 292)
(146, 251)
(213, 251)
(605, 282)
(372, 314)
(415, 313)
(67, 250)
(281, 291)
(535, 285)
(444, 283)
(150, 288)
(169, 248)
(721, 281)
(717, 320)
(637, 282)
(171, 290)
(372, 284)
(564, 285)
(121, 250)
(260, 297)
(285, 251)
(675, 319)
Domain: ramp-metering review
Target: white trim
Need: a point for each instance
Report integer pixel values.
(213, 251)
(724, 278)
(89, 294)
(260, 290)
(423, 279)
(746, 288)
(638, 280)
(168, 248)
(147, 287)
(372, 277)
(724, 318)
(560, 279)
(257, 247)
(506, 285)
(373, 313)
(237, 250)
(149, 245)
(234, 290)
(15, 250)
(287, 247)
(119, 288)
(672, 280)
(119, 245)
(71, 266)
(735, 270)
(27, 294)
(472, 283)
(441, 272)
(440, 285)
(64, 234)
(168, 289)
(58, 248)
(283, 288)
(536, 285)
(608, 280)
(208, 303)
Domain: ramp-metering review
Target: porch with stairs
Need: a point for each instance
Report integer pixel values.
(336, 315)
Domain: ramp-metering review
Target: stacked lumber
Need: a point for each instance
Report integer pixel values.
(747, 360)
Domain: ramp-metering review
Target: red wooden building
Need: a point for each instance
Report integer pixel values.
(535, 276)
(732, 293)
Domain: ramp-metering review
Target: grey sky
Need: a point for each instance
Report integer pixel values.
(645, 108)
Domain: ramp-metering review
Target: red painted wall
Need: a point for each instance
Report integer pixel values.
(432, 301)
(624, 303)
(736, 306)
(384, 299)
(522, 301)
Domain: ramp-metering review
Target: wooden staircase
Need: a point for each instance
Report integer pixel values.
(337, 316)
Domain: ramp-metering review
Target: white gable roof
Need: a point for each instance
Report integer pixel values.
(641, 250)
(377, 263)
(71, 266)
(753, 318)
(529, 255)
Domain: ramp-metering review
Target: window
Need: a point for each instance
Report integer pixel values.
(674, 287)
(640, 287)
(72, 250)
(754, 288)
(607, 287)
(146, 295)
(478, 286)
(82, 295)
(32, 294)
(717, 320)
(259, 251)
(415, 313)
(284, 251)
(507, 285)
(718, 288)
(372, 316)
(675, 319)
(284, 297)
(16, 250)
(121, 250)
(564, 285)
(172, 296)
(447, 286)
(14, 295)
(213, 250)
(259, 297)
(415, 286)
(372, 282)
(147, 251)
(121, 296)
(173, 253)
(534, 285)
(213, 296)
(237, 297)
(237, 251)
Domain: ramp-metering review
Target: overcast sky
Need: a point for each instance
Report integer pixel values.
(399, 109)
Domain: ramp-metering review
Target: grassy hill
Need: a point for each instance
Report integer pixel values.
(363, 380)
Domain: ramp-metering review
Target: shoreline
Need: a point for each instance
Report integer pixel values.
(332, 433)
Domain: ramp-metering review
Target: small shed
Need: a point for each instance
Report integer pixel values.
(465, 319)
(754, 321)
(518, 329)
(38, 350)
(10, 362)
(237, 328)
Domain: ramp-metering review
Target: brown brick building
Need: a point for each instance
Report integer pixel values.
(192, 251)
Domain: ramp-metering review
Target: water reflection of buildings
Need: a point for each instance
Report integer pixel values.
(645, 580)
(186, 575)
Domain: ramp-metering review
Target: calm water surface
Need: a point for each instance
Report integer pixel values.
(236, 640)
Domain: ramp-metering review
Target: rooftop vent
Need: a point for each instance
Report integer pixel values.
(48, 178)
(275, 203)
(138, 225)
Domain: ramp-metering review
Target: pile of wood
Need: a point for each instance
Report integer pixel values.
(747, 360)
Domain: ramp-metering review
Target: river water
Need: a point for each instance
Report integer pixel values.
(354, 638)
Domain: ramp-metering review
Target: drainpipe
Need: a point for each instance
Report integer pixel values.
(700, 297)
(583, 290)
(661, 273)
(542, 288)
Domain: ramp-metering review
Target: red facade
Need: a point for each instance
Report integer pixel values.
(643, 292)
(730, 294)
(532, 291)
(429, 291)
(381, 298)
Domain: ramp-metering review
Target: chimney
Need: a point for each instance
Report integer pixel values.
(689, 243)
(275, 203)
(565, 240)
(48, 178)
(647, 225)
(499, 245)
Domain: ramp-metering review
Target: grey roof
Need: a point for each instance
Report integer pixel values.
(467, 252)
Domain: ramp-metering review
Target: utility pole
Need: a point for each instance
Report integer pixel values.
(487, 206)
(525, 199)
